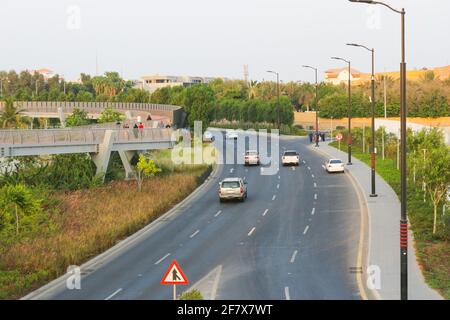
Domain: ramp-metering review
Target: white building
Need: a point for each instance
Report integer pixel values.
(338, 76)
(154, 82)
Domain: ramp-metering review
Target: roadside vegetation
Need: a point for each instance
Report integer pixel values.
(428, 183)
(43, 230)
(52, 217)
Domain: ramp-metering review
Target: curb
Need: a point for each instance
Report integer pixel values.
(364, 242)
(132, 239)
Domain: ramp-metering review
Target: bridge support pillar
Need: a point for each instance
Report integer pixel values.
(62, 117)
(126, 157)
(101, 158)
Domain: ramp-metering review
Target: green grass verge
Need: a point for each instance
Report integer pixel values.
(433, 251)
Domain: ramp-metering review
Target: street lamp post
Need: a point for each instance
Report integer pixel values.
(278, 97)
(372, 151)
(350, 139)
(403, 114)
(317, 104)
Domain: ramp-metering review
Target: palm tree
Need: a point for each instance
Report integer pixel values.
(10, 116)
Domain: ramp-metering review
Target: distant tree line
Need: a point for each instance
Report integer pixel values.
(237, 100)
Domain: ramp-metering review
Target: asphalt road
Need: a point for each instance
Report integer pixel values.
(296, 237)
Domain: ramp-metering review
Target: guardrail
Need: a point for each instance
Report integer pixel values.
(68, 106)
(81, 136)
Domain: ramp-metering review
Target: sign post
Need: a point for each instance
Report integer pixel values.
(174, 275)
(339, 137)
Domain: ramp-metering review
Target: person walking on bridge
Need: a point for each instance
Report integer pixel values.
(135, 130)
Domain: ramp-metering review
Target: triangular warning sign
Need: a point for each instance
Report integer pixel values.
(174, 275)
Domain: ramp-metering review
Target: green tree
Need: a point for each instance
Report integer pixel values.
(198, 102)
(77, 118)
(10, 116)
(19, 209)
(110, 115)
(145, 168)
(437, 176)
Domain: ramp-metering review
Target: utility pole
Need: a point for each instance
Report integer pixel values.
(350, 139)
(403, 127)
(278, 96)
(372, 100)
(317, 103)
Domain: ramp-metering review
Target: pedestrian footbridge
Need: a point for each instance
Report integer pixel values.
(98, 142)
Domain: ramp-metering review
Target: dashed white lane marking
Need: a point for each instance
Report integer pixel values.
(265, 212)
(309, 168)
(218, 212)
(293, 256)
(194, 234)
(306, 230)
(286, 293)
(293, 168)
(160, 260)
(113, 294)
(231, 170)
(279, 177)
(251, 231)
(313, 211)
(278, 186)
(274, 197)
(315, 196)
(315, 185)
(312, 176)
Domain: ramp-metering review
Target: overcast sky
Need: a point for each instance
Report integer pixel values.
(216, 38)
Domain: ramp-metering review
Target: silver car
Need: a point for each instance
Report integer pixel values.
(233, 188)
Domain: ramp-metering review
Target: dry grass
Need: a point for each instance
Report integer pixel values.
(89, 222)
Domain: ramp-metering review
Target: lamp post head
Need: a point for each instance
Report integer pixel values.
(362, 1)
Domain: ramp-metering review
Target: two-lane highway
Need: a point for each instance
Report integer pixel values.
(295, 237)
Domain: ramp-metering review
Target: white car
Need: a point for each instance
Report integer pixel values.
(334, 165)
(232, 188)
(231, 134)
(208, 137)
(290, 157)
(251, 157)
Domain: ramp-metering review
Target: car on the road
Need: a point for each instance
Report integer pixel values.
(251, 157)
(232, 189)
(208, 136)
(290, 157)
(334, 165)
(231, 134)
